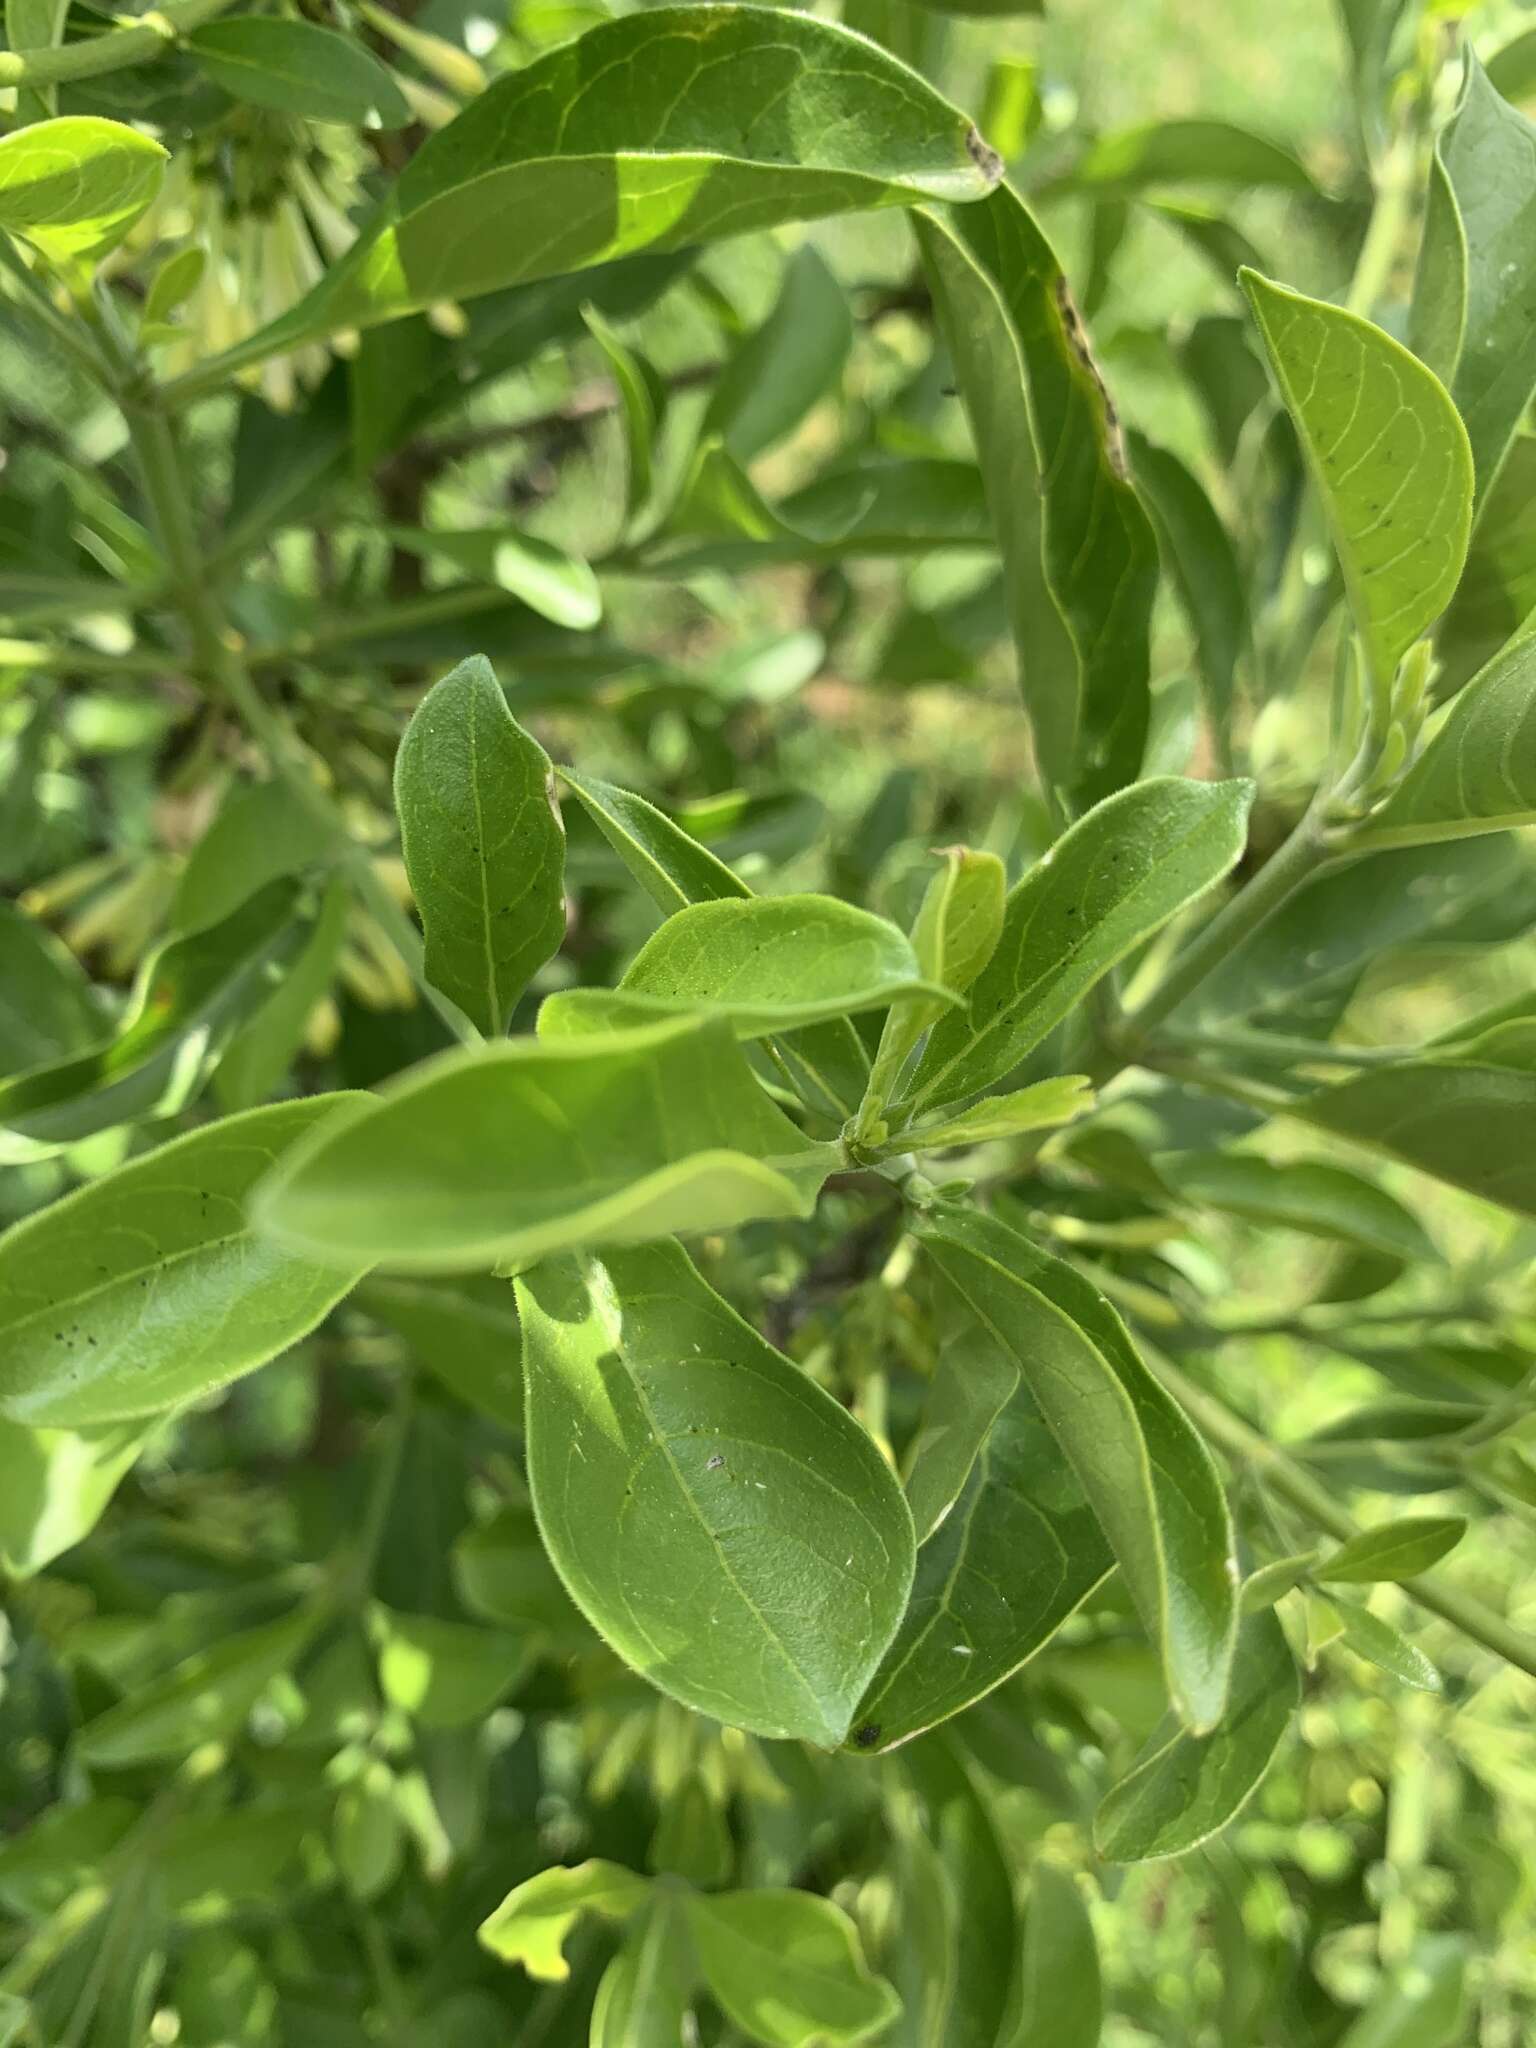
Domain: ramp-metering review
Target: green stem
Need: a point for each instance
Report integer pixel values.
(218, 653)
(112, 51)
(71, 335)
(1319, 1505)
(1291, 1052)
(431, 610)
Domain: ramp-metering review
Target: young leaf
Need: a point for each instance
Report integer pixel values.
(1301, 1194)
(48, 1009)
(268, 1038)
(1272, 1581)
(188, 1001)
(1470, 318)
(514, 1151)
(483, 844)
(772, 963)
(1400, 1550)
(1017, 1553)
(679, 1465)
(534, 1920)
(780, 371)
(75, 186)
(1146, 1473)
(1080, 552)
(147, 1288)
(644, 1994)
(1390, 456)
(1478, 772)
(1380, 1644)
(296, 68)
(205, 1698)
(1110, 882)
(1040, 1107)
(1063, 1996)
(1183, 1788)
(55, 1485)
(658, 130)
(787, 1969)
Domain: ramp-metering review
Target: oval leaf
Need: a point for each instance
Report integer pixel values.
(1400, 1551)
(74, 187)
(297, 68)
(529, 1147)
(681, 1467)
(1309, 1195)
(786, 1967)
(483, 845)
(147, 1287)
(1478, 772)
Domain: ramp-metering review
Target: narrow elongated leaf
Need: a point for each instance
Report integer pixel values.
(973, 1382)
(1080, 552)
(1308, 1195)
(261, 832)
(671, 867)
(741, 119)
(48, 1008)
(1201, 151)
(55, 1485)
(187, 1003)
(1380, 1644)
(779, 372)
(205, 1698)
(73, 187)
(773, 963)
(979, 1874)
(680, 1465)
(482, 841)
(534, 1920)
(1183, 1788)
(1205, 567)
(530, 1147)
(1017, 1553)
(1471, 317)
(1497, 592)
(644, 1994)
(146, 1287)
(1400, 1550)
(1146, 1473)
(787, 1968)
(642, 397)
(559, 586)
(1039, 1107)
(296, 68)
(1063, 1995)
(1478, 772)
(1467, 1121)
(1115, 877)
(1390, 457)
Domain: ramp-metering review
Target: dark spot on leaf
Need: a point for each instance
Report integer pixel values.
(867, 1736)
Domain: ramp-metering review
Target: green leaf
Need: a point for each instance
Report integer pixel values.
(1272, 1581)
(779, 372)
(693, 1836)
(1309, 1195)
(483, 843)
(1184, 1788)
(1478, 772)
(1080, 553)
(979, 1878)
(1497, 592)
(503, 1574)
(296, 68)
(1423, 2004)
(48, 1009)
(644, 1994)
(559, 586)
(1466, 1120)
(1146, 1473)
(1400, 1550)
(742, 119)
(265, 1043)
(642, 397)
(1206, 571)
(678, 1464)
(533, 1921)
(205, 1698)
(1201, 151)
(188, 1002)
(54, 1487)
(444, 1674)
(973, 1381)
(35, 25)
(1063, 1997)
(1380, 1644)
(767, 964)
(1471, 311)
(670, 866)
(1110, 882)
(1390, 457)
(1017, 1553)
(75, 186)
(1040, 1107)
(261, 832)
(617, 1139)
(955, 934)
(147, 1287)
(786, 1967)
(464, 1329)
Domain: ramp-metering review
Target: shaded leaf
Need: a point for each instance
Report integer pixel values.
(298, 68)
(780, 371)
(787, 1967)
(1063, 1996)
(464, 1329)
(55, 1485)
(1397, 1550)
(644, 1994)
(1478, 772)
(1309, 1195)
(533, 1921)
(48, 1008)
(1380, 1644)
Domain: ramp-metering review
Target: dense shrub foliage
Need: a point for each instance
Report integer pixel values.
(767, 1067)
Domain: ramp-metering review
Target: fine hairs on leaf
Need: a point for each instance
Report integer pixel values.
(767, 1057)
